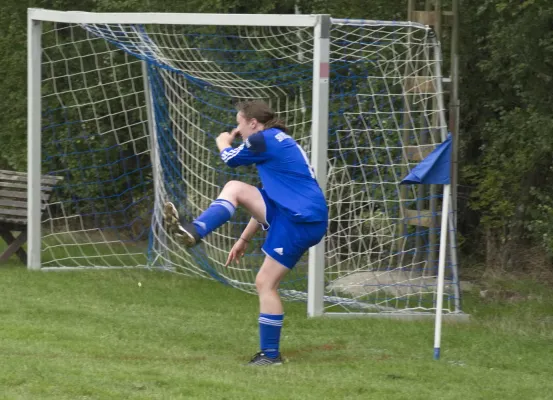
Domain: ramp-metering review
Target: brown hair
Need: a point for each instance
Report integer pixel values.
(261, 111)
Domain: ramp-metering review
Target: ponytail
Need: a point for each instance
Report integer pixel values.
(276, 123)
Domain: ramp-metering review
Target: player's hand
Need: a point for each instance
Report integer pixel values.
(225, 139)
(237, 252)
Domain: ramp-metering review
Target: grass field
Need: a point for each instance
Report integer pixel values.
(98, 335)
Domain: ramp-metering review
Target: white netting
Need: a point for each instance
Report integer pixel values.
(384, 116)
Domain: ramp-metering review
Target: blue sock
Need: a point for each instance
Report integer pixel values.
(219, 212)
(269, 333)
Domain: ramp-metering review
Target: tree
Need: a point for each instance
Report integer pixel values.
(507, 125)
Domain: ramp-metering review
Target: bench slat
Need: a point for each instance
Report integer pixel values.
(14, 220)
(21, 195)
(13, 212)
(23, 176)
(13, 203)
(17, 204)
(14, 185)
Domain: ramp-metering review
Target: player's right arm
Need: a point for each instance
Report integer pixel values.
(252, 151)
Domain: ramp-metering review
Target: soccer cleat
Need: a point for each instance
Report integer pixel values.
(170, 216)
(185, 234)
(261, 359)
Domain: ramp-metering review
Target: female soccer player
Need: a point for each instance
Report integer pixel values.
(290, 206)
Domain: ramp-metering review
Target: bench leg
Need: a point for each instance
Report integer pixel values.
(14, 246)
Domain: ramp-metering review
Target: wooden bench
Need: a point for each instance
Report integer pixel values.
(13, 209)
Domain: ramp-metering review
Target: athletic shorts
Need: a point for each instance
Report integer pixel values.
(288, 240)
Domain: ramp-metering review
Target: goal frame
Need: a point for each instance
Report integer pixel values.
(321, 25)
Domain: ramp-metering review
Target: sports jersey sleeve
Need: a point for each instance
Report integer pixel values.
(252, 151)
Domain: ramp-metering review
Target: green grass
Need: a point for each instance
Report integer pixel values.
(98, 335)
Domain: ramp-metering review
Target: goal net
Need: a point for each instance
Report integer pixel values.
(130, 110)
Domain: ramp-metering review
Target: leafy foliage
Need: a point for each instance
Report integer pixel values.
(507, 124)
(506, 95)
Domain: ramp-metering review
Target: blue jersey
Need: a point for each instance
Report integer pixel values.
(285, 173)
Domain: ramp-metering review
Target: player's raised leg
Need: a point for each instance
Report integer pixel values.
(271, 313)
(234, 194)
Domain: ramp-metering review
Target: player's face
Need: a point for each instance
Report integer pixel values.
(247, 127)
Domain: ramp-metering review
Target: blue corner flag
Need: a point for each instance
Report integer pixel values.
(434, 169)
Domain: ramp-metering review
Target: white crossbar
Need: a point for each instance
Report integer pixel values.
(366, 22)
(79, 17)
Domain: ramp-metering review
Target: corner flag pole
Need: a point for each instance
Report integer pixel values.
(435, 169)
(441, 271)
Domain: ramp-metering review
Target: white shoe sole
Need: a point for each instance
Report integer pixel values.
(170, 217)
(173, 227)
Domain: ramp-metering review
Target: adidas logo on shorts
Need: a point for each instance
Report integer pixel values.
(279, 250)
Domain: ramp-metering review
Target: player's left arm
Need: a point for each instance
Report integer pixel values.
(252, 151)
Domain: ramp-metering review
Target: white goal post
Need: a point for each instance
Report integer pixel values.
(125, 106)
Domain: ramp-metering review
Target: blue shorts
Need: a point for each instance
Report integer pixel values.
(288, 240)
